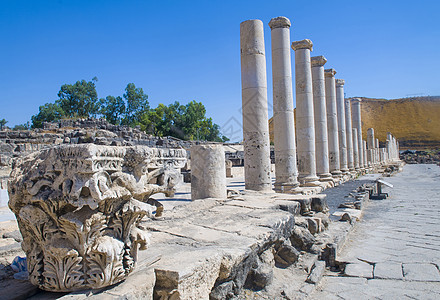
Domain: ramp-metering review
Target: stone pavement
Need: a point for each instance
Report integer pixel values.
(394, 252)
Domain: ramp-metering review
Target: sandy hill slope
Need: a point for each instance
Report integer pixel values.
(414, 121)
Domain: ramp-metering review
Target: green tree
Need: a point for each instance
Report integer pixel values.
(79, 99)
(25, 126)
(112, 108)
(137, 104)
(2, 123)
(48, 112)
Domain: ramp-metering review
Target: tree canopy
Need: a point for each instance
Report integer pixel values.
(80, 100)
(2, 123)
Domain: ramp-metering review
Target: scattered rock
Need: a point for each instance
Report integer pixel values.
(317, 272)
(286, 255)
(302, 238)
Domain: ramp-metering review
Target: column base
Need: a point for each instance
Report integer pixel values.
(290, 188)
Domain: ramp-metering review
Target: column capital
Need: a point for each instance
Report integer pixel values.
(329, 72)
(279, 22)
(339, 82)
(356, 100)
(304, 44)
(318, 61)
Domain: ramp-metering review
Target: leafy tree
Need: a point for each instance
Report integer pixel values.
(2, 123)
(48, 112)
(137, 104)
(112, 108)
(79, 99)
(25, 126)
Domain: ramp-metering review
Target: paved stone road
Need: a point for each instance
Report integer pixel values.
(394, 252)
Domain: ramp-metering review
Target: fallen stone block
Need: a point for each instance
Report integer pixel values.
(317, 272)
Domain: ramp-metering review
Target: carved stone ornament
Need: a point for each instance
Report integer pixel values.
(329, 72)
(304, 44)
(340, 82)
(318, 61)
(279, 22)
(78, 208)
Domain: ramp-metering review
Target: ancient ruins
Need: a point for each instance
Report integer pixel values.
(84, 208)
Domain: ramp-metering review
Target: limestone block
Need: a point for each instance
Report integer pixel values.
(208, 175)
(78, 208)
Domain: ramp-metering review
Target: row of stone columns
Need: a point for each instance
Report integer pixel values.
(328, 127)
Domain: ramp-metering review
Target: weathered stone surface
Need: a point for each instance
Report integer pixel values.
(254, 105)
(317, 272)
(208, 174)
(421, 272)
(79, 207)
(286, 255)
(385, 270)
(302, 238)
(359, 269)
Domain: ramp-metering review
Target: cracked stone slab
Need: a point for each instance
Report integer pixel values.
(360, 269)
(388, 271)
(421, 272)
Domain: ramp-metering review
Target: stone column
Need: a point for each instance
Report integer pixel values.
(355, 150)
(320, 116)
(208, 172)
(371, 145)
(376, 143)
(357, 123)
(364, 149)
(332, 122)
(305, 125)
(286, 171)
(349, 133)
(343, 157)
(254, 105)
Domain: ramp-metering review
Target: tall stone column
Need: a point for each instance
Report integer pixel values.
(377, 151)
(332, 122)
(320, 116)
(254, 105)
(305, 125)
(349, 133)
(343, 157)
(357, 123)
(371, 144)
(355, 149)
(286, 171)
(364, 149)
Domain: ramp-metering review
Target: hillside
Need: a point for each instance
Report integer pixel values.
(414, 121)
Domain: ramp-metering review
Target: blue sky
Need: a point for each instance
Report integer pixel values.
(190, 50)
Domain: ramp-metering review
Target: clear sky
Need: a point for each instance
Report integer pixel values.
(190, 50)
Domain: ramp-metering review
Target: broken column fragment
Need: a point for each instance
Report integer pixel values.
(254, 104)
(208, 174)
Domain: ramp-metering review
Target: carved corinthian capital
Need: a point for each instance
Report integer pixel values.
(304, 44)
(318, 61)
(340, 82)
(279, 22)
(78, 208)
(329, 72)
